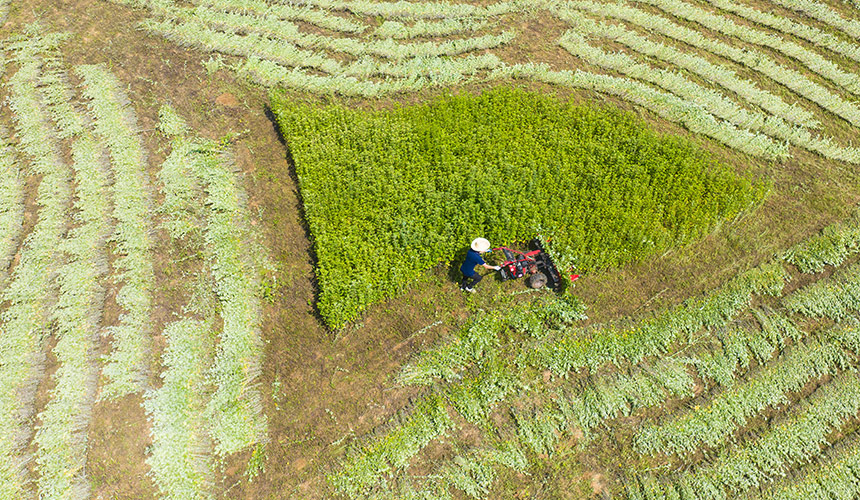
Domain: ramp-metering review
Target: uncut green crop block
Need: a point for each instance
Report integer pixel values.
(390, 193)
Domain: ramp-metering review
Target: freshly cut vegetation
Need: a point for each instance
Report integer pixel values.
(838, 477)
(127, 366)
(812, 34)
(722, 75)
(837, 297)
(715, 422)
(753, 59)
(363, 468)
(31, 292)
(11, 206)
(726, 26)
(180, 459)
(832, 246)
(625, 343)
(825, 14)
(796, 439)
(61, 455)
(715, 103)
(366, 209)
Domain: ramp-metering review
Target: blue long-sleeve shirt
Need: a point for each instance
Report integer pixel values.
(473, 259)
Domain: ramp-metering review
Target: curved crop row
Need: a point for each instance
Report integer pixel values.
(11, 206)
(579, 349)
(715, 422)
(818, 37)
(715, 103)
(364, 468)
(419, 10)
(837, 478)
(727, 27)
(835, 297)
(114, 121)
(280, 52)
(62, 435)
(698, 65)
(667, 106)
(61, 455)
(619, 395)
(180, 458)
(289, 32)
(182, 193)
(31, 291)
(422, 28)
(825, 14)
(831, 247)
(752, 59)
(235, 411)
(796, 439)
(290, 12)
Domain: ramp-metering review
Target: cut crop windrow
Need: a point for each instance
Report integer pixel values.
(831, 247)
(31, 292)
(62, 436)
(794, 440)
(752, 59)
(825, 14)
(714, 102)
(181, 453)
(421, 10)
(715, 422)
(835, 478)
(812, 34)
(362, 469)
(422, 28)
(631, 344)
(836, 297)
(235, 411)
(288, 33)
(721, 75)
(127, 365)
(727, 27)
(11, 205)
(61, 456)
(289, 12)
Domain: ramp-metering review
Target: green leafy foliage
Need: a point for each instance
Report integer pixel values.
(388, 194)
(832, 246)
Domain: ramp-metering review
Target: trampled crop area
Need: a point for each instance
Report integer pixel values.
(230, 233)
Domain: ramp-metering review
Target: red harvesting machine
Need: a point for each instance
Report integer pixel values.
(537, 264)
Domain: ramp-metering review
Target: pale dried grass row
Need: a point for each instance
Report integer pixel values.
(722, 24)
(713, 101)
(421, 10)
(127, 366)
(752, 59)
(820, 38)
(825, 14)
(31, 292)
(288, 11)
(721, 75)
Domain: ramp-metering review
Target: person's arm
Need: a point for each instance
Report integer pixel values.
(494, 268)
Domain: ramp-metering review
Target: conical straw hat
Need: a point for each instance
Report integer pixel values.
(480, 244)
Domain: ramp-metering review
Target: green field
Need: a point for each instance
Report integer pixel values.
(230, 233)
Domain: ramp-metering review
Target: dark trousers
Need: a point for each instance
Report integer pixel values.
(471, 281)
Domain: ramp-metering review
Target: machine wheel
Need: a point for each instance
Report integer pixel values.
(537, 280)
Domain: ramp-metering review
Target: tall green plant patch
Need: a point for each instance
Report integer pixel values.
(388, 194)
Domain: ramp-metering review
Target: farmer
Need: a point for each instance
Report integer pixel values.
(473, 258)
